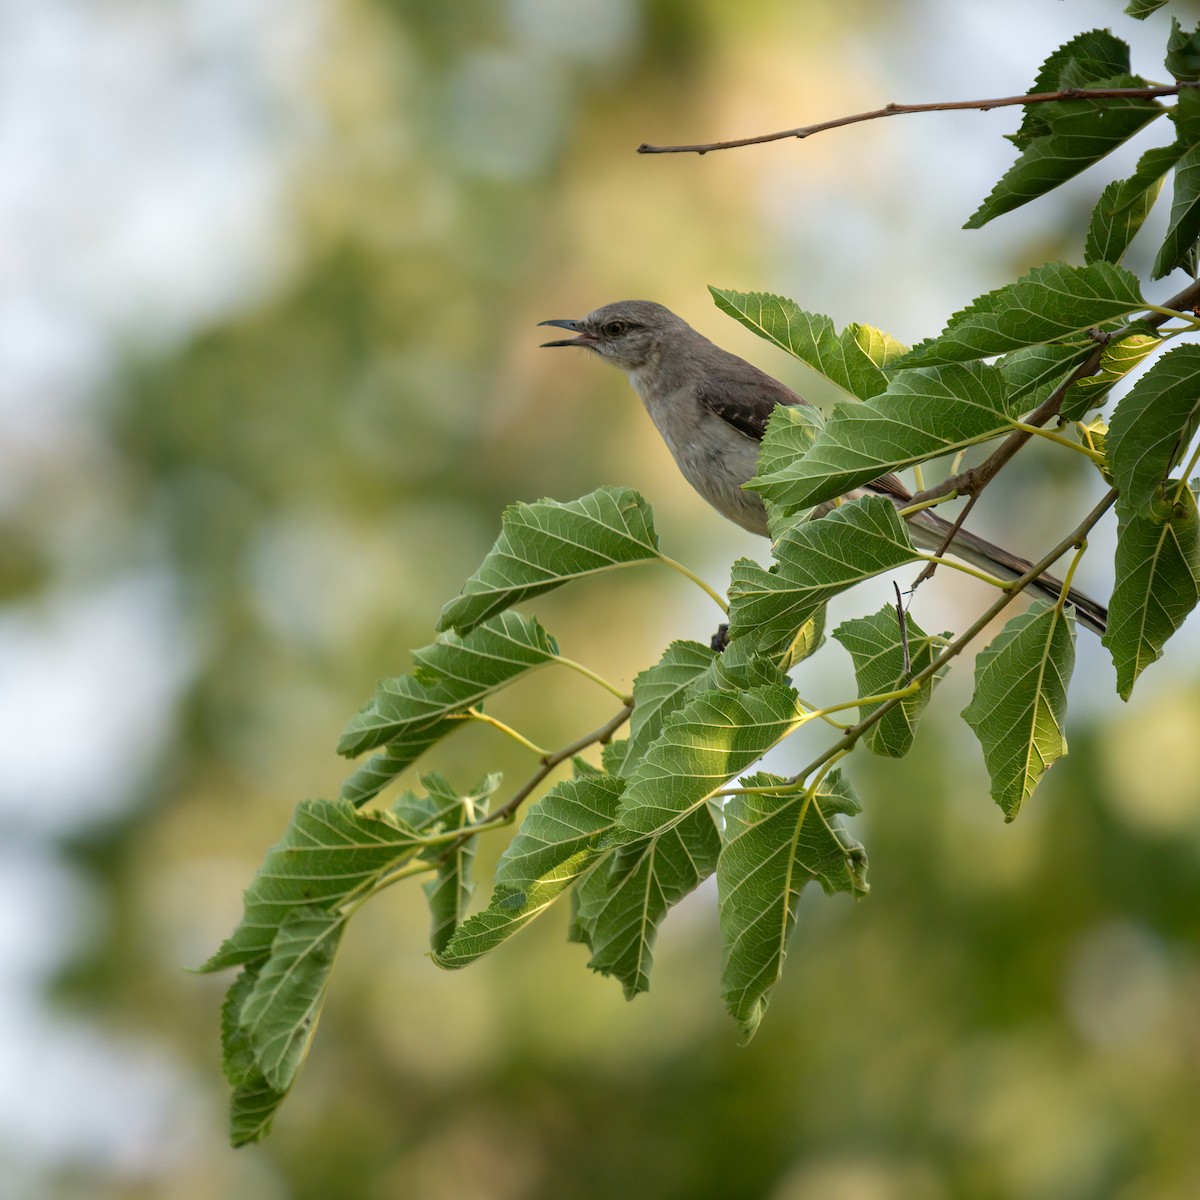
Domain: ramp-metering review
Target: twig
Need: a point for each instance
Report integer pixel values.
(895, 110)
(902, 620)
(599, 736)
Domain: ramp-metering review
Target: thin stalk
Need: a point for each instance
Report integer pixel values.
(716, 596)
(588, 673)
(476, 714)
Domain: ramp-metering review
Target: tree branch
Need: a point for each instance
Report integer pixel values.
(895, 110)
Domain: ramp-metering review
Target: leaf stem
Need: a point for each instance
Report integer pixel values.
(1080, 548)
(938, 560)
(909, 509)
(820, 713)
(675, 565)
(1192, 463)
(588, 673)
(1051, 436)
(477, 714)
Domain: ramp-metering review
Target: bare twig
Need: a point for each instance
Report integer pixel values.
(902, 621)
(895, 110)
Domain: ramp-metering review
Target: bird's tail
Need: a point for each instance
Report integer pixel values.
(928, 532)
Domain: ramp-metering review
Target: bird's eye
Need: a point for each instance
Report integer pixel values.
(614, 329)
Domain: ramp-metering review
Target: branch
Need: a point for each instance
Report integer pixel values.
(895, 110)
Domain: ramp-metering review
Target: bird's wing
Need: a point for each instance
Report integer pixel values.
(743, 396)
(891, 487)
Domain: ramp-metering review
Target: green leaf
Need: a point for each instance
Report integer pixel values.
(1141, 9)
(774, 845)
(1033, 372)
(815, 562)
(328, 853)
(1084, 132)
(1158, 580)
(254, 1101)
(855, 359)
(544, 545)
(1183, 228)
(280, 1014)
(251, 1111)
(1020, 702)
(657, 693)
(557, 841)
(1116, 361)
(712, 739)
(411, 712)
(1153, 424)
(1061, 138)
(1183, 53)
(624, 895)
(1125, 203)
(924, 414)
(1053, 303)
(237, 1054)
(1088, 57)
(450, 891)
(791, 432)
(877, 649)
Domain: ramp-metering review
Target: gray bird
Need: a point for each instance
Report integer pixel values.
(712, 407)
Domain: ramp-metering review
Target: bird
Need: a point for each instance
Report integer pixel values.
(711, 407)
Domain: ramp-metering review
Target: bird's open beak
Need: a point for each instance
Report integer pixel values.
(582, 340)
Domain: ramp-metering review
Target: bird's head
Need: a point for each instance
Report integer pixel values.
(629, 334)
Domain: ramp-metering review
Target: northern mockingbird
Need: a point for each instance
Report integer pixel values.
(711, 408)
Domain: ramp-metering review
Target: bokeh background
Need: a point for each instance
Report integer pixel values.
(269, 276)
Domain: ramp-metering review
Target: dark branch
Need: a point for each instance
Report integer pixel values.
(895, 110)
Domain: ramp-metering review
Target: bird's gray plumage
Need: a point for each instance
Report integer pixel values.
(711, 408)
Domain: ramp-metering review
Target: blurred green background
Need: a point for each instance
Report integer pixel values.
(269, 373)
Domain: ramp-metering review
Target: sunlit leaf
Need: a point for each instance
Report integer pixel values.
(1020, 702)
(546, 544)
(1141, 9)
(1116, 361)
(712, 739)
(775, 844)
(854, 360)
